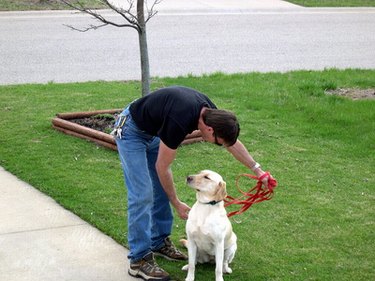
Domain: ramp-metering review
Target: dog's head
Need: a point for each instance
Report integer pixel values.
(209, 185)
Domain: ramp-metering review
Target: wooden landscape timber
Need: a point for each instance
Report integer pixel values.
(62, 122)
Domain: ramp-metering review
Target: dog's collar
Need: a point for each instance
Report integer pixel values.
(213, 202)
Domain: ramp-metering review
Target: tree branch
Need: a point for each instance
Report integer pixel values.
(130, 18)
(85, 29)
(125, 13)
(151, 12)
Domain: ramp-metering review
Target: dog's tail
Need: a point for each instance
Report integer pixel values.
(184, 242)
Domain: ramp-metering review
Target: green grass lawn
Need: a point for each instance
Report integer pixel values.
(334, 3)
(18, 5)
(24, 5)
(320, 148)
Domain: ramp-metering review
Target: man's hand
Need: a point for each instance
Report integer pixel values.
(182, 210)
(267, 180)
(263, 176)
(259, 173)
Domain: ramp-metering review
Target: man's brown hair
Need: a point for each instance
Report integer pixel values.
(224, 124)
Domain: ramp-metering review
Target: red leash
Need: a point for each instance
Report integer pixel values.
(255, 195)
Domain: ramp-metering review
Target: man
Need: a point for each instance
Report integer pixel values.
(148, 133)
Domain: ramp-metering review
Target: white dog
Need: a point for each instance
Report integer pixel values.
(209, 231)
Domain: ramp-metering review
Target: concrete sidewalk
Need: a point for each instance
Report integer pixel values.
(41, 241)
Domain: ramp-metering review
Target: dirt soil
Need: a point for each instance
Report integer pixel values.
(102, 123)
(353, 93)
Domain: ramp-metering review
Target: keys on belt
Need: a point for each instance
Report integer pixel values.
(117, 131)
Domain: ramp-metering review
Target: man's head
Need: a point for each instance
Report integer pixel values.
(224, 125)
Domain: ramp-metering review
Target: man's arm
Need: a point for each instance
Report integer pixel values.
(239, 152)
(165, 158)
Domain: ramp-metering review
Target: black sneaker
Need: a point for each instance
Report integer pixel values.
(147, 269)
(170, 252)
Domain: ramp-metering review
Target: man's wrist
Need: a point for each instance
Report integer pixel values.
(255, 167)
(175, 202)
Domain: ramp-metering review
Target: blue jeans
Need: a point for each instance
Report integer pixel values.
(150, 216)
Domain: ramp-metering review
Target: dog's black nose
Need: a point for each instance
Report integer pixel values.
(189, 179)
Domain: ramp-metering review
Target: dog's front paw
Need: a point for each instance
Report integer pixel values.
(184, 243)
(227, 269)
(185, 267)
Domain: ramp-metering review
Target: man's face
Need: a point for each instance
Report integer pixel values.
(208, 135)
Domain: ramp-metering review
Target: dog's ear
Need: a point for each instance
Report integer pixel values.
(221, 191)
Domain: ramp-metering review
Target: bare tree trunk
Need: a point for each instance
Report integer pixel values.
(145, 65)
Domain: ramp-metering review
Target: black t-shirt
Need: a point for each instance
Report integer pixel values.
(170, 113)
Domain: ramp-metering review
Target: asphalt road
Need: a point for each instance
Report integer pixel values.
(36, 47)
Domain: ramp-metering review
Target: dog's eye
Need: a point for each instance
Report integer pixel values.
(206, 177)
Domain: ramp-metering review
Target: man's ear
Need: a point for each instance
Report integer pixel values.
(221, 191)
(210, 129)
(206, 127)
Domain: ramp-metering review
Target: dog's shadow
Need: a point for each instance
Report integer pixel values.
(208, 267)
